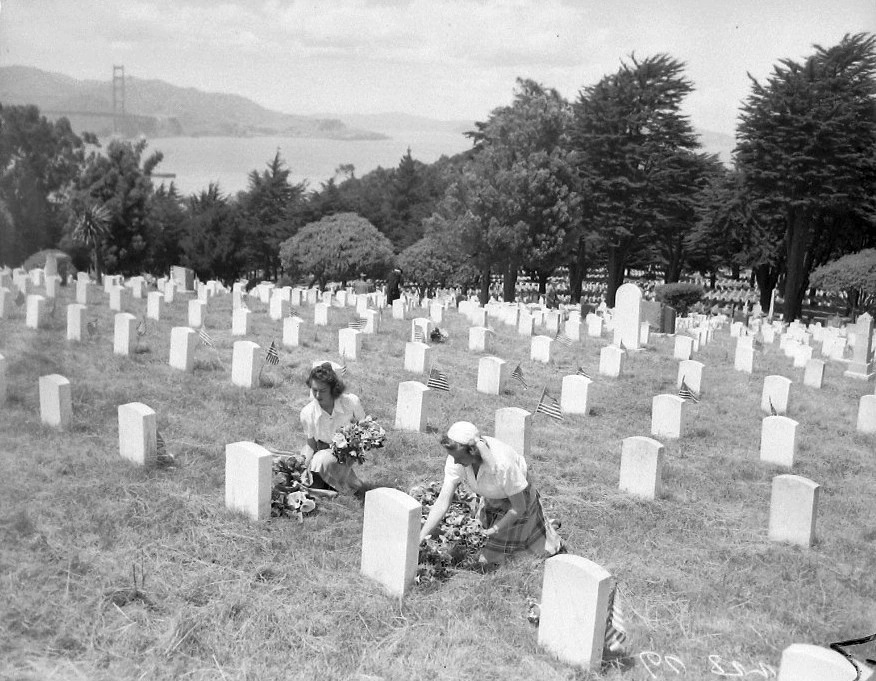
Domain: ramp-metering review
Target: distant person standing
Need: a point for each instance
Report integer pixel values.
(393, 285)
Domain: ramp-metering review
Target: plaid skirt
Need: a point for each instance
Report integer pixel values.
(529, 532)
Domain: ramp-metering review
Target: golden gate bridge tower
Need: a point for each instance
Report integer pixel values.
(118, 99)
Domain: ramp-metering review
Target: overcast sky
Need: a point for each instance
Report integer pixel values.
(439, 58)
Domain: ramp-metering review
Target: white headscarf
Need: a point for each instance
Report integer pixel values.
(464, 432)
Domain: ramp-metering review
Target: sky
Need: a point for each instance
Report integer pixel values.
(445, 59)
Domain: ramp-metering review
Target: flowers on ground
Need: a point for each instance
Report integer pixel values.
(289, 498)
(457, 541)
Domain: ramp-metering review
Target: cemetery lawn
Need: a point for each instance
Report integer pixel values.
(110, 571)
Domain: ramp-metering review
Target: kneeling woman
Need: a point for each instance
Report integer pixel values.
(329, 410)
(510, 512)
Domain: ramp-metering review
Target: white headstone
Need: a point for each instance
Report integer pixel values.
(436, 313)
(574, 394)
(552, 321)
(793, 510)
(802, 355)
(398, 309)
(425, 326)
(56, 405)
(137, 287)
(390, 539)
(776, 390)
(169, 292)
(5, 302)
(75, 318)
(418, 357)
(153, 305)
(279, 307)
(575, 597)
(292, 331)
(513, 428)
(540, 349)
(349, 343)
(479, 339)
(36, 312)
(197, 313)
(320, 314)
(813, 375)
(372, 321)
(644, 333)
(116, 293)
(248, 479)
(691, 372)
(52, 286)
(641, 471)
(628, 315)
(667, 416)
(778, 440)
(805, 662)
(244, 370)
(861, 367)
(124, 333)
(525, 324)
(411, 404)
(240, 322)
(683, 347)
(479, 316)
(744, 359)
(611, 361)
(492, 375)
(137, 433)
(867, 415)
(3, 388)
(182, 348)
(594, 325)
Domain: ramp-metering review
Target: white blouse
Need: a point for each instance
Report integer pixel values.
(502, 472)
(321, 426)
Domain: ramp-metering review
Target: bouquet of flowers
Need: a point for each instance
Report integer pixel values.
(289, 497)
(354, 439)
(438, 335)
(457, 540)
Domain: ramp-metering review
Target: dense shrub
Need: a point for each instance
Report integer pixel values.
(680, 295)
(853, 274)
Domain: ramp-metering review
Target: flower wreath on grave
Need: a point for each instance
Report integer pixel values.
(457, 541)
(289, 498)
(354, 439)
(438, 335)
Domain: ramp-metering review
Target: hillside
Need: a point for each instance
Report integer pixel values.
(160, 109)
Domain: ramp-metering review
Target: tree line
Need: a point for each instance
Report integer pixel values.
(615, 179)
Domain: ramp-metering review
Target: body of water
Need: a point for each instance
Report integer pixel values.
(197, 161)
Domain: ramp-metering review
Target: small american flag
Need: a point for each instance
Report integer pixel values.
(685, 393)
(19, 299)
(615, 633)
(273, 357)
(419, 336)
(563, 338)
(359, 323)
(91, 327)
(517, 375)
(549, 406)
(141, 328)
(438, 380)
(773, 411)
(342, 371)
(581, 372)
(205, 338)
(160, 447)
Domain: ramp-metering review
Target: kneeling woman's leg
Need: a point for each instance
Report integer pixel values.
(530, 532)
(341, 476)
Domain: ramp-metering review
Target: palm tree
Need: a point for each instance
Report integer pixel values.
(91, 228)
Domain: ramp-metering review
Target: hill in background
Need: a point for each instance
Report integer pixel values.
(159, 109)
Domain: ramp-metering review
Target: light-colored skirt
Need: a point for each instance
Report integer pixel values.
(339, 475)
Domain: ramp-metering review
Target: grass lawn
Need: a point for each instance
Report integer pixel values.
(220, 597)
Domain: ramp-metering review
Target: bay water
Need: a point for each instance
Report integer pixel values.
(197, 161)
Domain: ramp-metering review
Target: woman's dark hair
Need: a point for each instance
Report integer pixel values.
(447, 443)
(325, 374)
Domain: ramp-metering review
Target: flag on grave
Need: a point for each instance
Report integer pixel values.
(273, 357)
(160, 447)
(561, 337)
(141, 328)
(615, 632)
(517, 375)
(438, 380)
(773, 411)
(205, 338)
(581, 372)
(419, 336)
(549, 406)
(359, 323)
(685, 393)
(19, 299)
(91, 327)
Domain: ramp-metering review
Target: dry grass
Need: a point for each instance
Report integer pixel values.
(224, 598)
